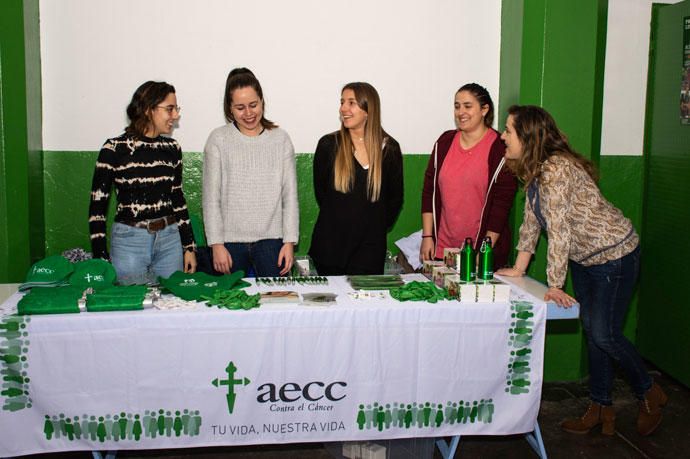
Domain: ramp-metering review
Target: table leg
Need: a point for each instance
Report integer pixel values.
(535, 441)
(448, 450)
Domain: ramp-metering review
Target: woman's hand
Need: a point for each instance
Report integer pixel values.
(510, 272)
(426, 250)
(559, 297)
(286, 257)
(189, 261)
(222, 261)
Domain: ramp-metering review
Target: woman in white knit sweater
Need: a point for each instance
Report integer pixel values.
(251, 213)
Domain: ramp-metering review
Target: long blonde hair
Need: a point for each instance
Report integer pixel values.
(374, 135)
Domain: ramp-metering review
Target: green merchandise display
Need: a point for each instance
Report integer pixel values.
(375, 282)
(59, 300)
(93, 273)
(52, 271)
(420, 291)
(117, 298)
(192, 287)
(232, 299)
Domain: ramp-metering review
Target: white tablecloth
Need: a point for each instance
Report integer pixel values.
(362, 369)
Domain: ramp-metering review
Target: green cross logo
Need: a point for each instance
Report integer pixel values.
(230, 382)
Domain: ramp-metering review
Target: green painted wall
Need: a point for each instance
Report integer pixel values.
(67, 182)
(664, 313)
(552, 55)
(14, 156)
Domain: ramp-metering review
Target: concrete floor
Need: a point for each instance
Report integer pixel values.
(559, 400)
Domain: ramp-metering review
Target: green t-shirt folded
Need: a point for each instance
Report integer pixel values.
(58, 300)
(192, 287)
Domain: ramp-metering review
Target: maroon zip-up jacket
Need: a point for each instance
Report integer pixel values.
(498, 202)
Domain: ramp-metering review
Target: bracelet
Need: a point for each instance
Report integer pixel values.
(427, 235)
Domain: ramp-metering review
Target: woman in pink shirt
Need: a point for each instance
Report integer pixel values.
(467, 190)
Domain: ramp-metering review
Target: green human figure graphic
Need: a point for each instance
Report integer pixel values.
(12, 392)
(427, 414)
(439, 415)
(230, 382)
(524, 324)
(15, 378)
(69, 429)
(185, 422)
(168, 424)
(61, 423)
(401, 415)
(361, 418)
(458, 416)
(369, 416)
(115, 428)
(521, 306)
(10, 325)
(100, 430)
(130, 425)
(466, 410)
(486, 410)
(419, 414)
(177, 424)
(520, 330)
(380, 419)
(197, 422)
(136, 428)
(77, 428)
(520, 340)
(473, 412)
(85, 426)
(149, 428)
(56, 427)
(523, 315)
(408, 417)
(9, 358)
(93, 428)
(388, 416)
(123, 424)
(160, 422)
(192, 424)
(48, 428)
(108, 427)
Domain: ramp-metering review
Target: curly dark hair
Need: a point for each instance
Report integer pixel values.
(145, 99)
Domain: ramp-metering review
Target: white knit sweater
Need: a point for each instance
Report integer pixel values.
(249, 186)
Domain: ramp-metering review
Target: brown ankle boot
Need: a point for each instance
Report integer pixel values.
(596, 414)
(650, 410)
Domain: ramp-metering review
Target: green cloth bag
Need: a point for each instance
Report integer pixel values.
(420, 291)
(59, 300)
(117, 298)
(192, 287)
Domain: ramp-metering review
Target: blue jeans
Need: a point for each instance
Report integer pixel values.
(139, 257)
(604, 292)
(261, 256)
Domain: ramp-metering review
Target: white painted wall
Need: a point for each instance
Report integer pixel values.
(96, 52)
(625, 79)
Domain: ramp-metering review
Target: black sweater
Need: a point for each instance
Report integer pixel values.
(350, 232)
(147, 175)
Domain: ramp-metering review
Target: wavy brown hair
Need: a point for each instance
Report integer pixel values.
(145, 99)
(242, 77)
(374, 135)
(541, 139)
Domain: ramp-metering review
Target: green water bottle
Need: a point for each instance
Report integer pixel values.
(486, 260)
(467, 262)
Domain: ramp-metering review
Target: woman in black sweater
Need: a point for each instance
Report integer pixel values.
(358, 182)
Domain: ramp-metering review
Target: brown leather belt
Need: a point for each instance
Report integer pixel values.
(154, 225)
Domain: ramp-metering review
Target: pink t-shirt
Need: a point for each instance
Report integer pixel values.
(463, 183)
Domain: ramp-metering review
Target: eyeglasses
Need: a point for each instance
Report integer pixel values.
(170, 108)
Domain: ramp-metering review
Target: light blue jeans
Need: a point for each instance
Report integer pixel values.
(139, 257)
